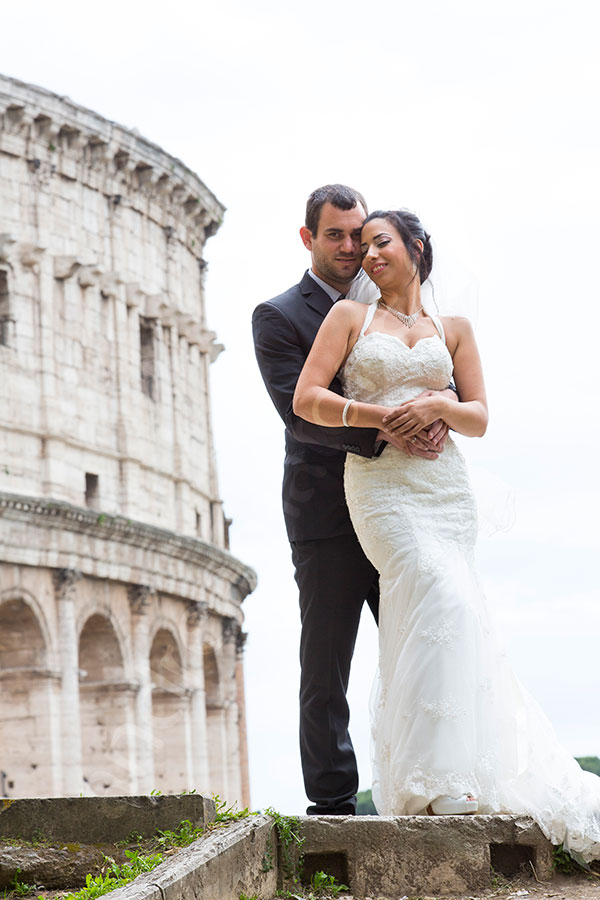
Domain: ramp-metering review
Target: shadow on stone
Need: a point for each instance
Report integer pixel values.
(510, 859)
(335, 864)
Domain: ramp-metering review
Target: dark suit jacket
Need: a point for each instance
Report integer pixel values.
(313, 491)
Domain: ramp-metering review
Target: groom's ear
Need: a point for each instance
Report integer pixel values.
(306, 235)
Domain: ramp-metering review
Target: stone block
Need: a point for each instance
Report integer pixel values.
(52, 867)
(394, 857)
(221, 866)
(99, 820)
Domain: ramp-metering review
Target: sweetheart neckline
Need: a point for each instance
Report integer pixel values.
(399, 341)
(396, 338)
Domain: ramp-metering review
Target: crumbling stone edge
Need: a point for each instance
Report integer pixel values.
(223, 864)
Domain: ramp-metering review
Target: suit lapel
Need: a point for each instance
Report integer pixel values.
(315, 296)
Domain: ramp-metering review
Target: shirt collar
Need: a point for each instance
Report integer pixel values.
(330, 291)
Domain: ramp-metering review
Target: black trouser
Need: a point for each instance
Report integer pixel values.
(335, 578)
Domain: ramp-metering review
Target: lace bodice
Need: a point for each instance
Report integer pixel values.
(381, 368)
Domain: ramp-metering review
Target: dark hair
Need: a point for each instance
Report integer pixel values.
(339, 195)
(410, 230)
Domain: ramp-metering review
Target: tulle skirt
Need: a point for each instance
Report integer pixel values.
(448, 715)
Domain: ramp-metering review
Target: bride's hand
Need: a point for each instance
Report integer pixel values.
(436, 434)
(431, 439)
(419, 446)
(412, 417)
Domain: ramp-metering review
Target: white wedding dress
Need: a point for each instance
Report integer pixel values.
(448, 715)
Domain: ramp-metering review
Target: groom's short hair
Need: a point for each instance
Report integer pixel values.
(339, 195)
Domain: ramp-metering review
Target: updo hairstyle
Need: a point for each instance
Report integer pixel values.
(410, 230)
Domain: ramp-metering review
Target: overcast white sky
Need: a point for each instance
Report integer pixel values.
(483, 118)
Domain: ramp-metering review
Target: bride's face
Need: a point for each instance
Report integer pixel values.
(385, 257)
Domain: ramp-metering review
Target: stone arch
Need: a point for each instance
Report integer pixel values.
(28, 701)
(22, 643)
(91, 607)
(170, 714)
(20, 594)
(167, 655)
(107, 731)
(215, 722)
(100, 650)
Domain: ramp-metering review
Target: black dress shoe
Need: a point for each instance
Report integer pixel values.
(344, 809)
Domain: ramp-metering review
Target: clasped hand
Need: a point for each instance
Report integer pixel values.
(415, 426)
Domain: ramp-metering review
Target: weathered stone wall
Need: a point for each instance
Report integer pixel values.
(120, 607)
(108, 688)
(105, 348)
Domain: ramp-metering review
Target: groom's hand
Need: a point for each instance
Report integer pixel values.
(420, 446)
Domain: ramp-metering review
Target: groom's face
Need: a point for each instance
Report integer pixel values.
(335, 248)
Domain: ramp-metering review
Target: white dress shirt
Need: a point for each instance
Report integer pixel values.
(330, 291)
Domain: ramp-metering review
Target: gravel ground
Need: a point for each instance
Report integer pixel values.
(562, 887)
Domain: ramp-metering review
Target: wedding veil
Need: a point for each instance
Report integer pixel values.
(447, 291)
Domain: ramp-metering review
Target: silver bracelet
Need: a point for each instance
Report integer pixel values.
(345, 413)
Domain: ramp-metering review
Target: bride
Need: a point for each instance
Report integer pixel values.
(453, 730)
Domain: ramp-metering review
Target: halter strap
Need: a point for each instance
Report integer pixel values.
(371, 310)
(438, 324)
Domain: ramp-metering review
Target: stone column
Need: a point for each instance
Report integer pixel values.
(72, 768)
(199, 734)
(231, 630)
(184, 709)
(53, 698)
(242, 730)
(38, 284)
(131, 731)
(140, 598)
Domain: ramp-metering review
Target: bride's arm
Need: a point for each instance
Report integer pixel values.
(470, 415)
(313, 400)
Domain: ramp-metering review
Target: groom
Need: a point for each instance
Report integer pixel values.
(334, 576)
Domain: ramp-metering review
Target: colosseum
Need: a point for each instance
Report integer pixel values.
(121, 635)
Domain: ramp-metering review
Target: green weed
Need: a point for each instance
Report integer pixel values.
(567, 864)
(134, 838)
(225, 815)
(17, 888)
(182, 836)
(290, 842)
(116, 875)
(323, 883)
(322, 887)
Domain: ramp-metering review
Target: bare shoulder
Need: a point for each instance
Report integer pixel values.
(347, 310)
(457, 329)
(457, 325)
(344, 320)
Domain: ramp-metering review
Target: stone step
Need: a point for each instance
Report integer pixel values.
(393, 857)
(99, 820)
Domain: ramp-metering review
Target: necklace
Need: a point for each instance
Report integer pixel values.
(409, 321)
